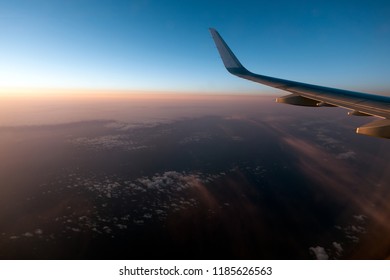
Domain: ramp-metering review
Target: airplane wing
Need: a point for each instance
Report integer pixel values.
(359, 104)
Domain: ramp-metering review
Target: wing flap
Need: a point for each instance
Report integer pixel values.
(379, 128)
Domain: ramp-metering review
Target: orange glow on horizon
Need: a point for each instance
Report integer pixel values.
(74, 92)
(55, 106)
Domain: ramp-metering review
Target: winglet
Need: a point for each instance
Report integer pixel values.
(232, 64)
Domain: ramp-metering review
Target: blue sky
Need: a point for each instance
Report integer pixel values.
(166, 46)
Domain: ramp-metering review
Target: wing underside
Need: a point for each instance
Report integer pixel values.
(302, 94)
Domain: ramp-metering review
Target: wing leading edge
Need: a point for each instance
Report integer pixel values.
(302, 94)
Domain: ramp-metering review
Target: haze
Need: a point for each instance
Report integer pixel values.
(129, 107)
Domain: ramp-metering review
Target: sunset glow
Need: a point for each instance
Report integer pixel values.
(53, 107)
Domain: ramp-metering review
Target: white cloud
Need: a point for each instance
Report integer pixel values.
(121, 226)
(138, 222)
(121, 126)
(326, 139)
(171, 180)
(198, 137)
(353, 238)
(360, 218)
(107, 229)
(347, 155)
(108, 142)
(237, 138)
(319, 252)
(140, 200)
(338, 247)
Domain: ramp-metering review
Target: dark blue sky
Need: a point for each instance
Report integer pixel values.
(166, 46)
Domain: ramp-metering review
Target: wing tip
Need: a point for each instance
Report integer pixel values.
(228, 58)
